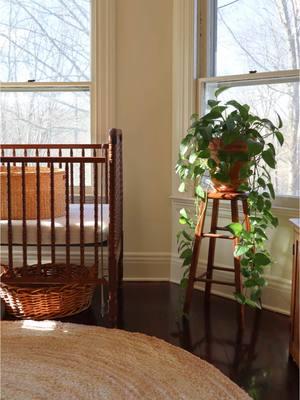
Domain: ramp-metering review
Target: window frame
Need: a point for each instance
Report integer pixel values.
(207, 68)
(102, 72)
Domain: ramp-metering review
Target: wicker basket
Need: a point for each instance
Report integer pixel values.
(46, 301)
(31, 197)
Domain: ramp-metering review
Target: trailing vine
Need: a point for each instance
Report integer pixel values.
(232, 122)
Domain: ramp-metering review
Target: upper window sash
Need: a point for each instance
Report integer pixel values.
(282, 38)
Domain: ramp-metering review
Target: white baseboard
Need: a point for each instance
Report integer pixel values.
(147, 266)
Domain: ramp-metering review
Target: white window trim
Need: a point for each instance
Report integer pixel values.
(208, 14)
(103, 71)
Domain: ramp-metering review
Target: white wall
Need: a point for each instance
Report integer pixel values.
(143, 112)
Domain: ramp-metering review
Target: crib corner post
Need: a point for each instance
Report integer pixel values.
(112, 297)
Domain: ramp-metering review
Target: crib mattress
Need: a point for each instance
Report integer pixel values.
(60, 227)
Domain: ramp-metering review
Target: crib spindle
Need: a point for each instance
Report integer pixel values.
(81, 201)
(52, 205)
(83, 155)
(60, 155)
(67, 218)
(48, 155)
(106, 175)
(101, 220)
(14, 155)
(24, 220)
(25, 155)
(9, 221)
(38, 218)
(96, 241)
(72, 177)
(2, 154)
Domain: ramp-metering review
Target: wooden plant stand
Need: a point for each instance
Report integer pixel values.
(207, 276)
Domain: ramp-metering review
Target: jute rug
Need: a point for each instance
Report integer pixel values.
(50, 360)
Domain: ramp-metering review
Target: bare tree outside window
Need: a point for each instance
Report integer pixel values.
(264, 36)
(45, 41)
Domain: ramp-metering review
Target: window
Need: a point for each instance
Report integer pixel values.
(45, 71)
(253, 48)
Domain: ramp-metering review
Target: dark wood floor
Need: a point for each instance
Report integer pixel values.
(256, 359)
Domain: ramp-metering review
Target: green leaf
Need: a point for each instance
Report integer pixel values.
(241, 249)
(266, 122)
(199, 191)
(271, 190)
(268, 204)
(235, 228)
(187, 236)
(181, 188)
(183, 213)
(260, 203)
(261, 281)
(268, 157)
(246, 272)
(240, 298)
(279, 137)
(271, 146)
(194, 117)
(186, 253)
(244, 187)
(230, 136)
(254, 147)
(215, 113)
(204, 154)
(279, 121)
(221, 90)
(261, 182)
(184, 283)
(187, 261)
(256, 294)
(213, 103)
(242, 109)
(211, 163)
(259, 232)
(184, 145)
(193, 157)
(182, 221)
(250, 283)
(261, 259)
(252, 303)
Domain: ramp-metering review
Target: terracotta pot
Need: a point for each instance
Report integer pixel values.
(235, 181)
(31, 200)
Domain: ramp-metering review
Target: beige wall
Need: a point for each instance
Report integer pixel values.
(144, 58)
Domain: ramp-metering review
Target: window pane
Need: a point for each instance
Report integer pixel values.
(257, 35)
(265, 100)
(44, 40)
(45, 117)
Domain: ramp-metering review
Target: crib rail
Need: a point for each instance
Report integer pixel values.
(59, 151)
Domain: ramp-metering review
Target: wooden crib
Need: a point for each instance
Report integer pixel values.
(61, 227)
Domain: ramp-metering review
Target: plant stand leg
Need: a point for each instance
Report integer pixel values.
(211, 250)
(237, 264)
(195, 256)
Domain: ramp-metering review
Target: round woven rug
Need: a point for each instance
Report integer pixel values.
(51, 360)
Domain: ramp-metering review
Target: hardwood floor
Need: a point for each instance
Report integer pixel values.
(256, 359)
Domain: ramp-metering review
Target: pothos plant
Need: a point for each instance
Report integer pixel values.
(205, 150)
